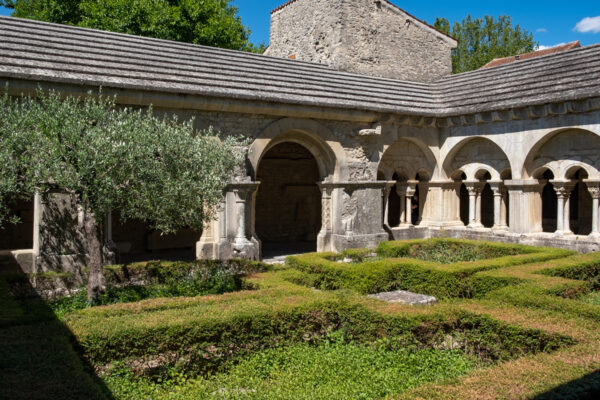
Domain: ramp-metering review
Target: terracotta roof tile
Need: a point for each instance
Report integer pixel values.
(539, 53)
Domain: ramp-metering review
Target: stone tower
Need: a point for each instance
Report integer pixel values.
(361, 36)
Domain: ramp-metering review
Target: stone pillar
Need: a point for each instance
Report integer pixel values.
(474, 189)
(563, 191)
(496, 188)
(240, 201)
(525, 197)
(324, 237)
(423, 210)
(504, 208)
(401, 189)
(594, 189)
(386, 202)
(357, 212)
(223, 219)
(411, 189)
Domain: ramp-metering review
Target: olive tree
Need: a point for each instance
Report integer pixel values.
(157, 170)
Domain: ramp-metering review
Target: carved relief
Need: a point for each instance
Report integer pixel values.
(349, 211)
(361, 172)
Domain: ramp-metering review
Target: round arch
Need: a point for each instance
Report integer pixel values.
(313, 136)
(407, 158)
(563, 151)
(475, 154)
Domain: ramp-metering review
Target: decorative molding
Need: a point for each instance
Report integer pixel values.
(512, 114)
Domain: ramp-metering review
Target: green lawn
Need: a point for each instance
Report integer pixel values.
(513, 322)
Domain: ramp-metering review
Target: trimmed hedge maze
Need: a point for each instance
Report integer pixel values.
(513, 322)
(406, 265)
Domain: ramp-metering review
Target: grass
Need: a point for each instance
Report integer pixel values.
(301, 371)
(519, 324)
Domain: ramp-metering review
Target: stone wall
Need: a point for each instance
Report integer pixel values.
(361, 36)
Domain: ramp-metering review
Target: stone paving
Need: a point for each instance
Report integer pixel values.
(404, 297)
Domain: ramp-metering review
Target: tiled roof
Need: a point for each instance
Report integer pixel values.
(539, 53)
(43, 52)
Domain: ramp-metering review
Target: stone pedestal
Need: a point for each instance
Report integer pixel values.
(231, 234)
(358, 221)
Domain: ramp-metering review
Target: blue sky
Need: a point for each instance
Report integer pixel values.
(552, 22)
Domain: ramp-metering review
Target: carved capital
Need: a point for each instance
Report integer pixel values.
(594, 191)
(563, 188)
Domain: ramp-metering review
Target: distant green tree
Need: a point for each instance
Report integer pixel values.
(482, 40)
(151, 169)
(206, 22)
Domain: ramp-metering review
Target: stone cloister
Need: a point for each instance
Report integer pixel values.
(345, 150)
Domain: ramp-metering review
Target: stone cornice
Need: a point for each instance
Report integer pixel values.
(514, 114)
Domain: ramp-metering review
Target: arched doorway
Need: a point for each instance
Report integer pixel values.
(288, 200)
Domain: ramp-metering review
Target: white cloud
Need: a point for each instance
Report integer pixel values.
(542, 47)
(542, 30)
(588, 24)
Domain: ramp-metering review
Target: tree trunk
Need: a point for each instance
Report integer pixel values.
(92, 236)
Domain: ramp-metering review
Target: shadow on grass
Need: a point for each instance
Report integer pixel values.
(39, 358)
(586, 388)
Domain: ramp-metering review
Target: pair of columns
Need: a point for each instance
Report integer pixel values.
(594, 189)
(563, 191)
(406, 191)
(475, 188)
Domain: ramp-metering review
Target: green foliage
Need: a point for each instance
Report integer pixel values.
(206, 22)
(417, 275)
(329, 371)
(449, 251)
(585, 268)
(482, 40)
(136, 282)
(592, 298)
(152, 169)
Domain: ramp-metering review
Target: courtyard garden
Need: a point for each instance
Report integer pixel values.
(511, 321)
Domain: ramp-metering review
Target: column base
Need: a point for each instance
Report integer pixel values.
(225, 250)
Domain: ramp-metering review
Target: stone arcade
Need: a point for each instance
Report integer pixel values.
(359, 134)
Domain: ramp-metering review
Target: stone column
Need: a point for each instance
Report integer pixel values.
(386, 202)
(495, 186)
(563, 191)
(223, 219)
(240, 201)
(324, 237)
(594, 189)
(474, 189)
(401, 189)
(411, 189)
(504, 207)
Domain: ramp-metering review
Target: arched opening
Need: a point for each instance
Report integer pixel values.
(18, 236)
(549, 203)
(137, 241)
(487, 200)
(464, 201)
(394, 204)
(580, 203)
(288, 200)
(487, 206)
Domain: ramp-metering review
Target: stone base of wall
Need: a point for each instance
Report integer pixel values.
(581, 244)
(344, 242)
(24, 258)
(251, 250)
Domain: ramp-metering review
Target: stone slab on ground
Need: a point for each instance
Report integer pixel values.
(404, 297)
